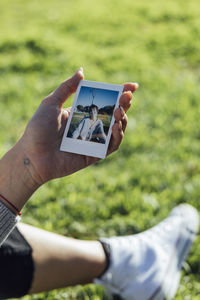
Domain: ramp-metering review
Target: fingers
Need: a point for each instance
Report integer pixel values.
(120, 113)
(121, 116)
(66, 88)
(65, 113)
(121, 119)
(125, 100)
(129, 86)
(118, 129)
(65, 116)
(117, 137)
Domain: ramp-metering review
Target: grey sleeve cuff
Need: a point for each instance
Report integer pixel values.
(8, 220)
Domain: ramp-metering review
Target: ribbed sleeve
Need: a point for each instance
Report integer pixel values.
(8, 220)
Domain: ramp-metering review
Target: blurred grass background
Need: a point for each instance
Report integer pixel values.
(155, 43)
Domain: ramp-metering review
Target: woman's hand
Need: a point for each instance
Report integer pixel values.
(37, 158)
(42, 138)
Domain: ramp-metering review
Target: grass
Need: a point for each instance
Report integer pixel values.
(158, 165)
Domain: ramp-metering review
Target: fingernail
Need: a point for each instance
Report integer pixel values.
(136, 85)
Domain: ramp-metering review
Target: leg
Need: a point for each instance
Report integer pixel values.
(147, 266)
(61, 261)
(142, 266)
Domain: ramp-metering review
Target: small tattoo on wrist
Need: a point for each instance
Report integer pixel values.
(26, 161)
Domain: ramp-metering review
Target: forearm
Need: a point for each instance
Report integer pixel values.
(16, 181)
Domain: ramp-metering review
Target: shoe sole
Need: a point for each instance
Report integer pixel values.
(189, 230)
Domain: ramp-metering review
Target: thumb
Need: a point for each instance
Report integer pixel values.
(66, 88)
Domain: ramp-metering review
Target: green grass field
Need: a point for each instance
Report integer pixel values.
(156, 43)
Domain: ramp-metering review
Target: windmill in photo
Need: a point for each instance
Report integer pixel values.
(93, 93)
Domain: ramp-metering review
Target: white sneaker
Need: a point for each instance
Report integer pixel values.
(147, 266)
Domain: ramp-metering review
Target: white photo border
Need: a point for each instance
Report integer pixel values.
(86, 147)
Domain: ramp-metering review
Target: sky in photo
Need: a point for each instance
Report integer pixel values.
(102, 97)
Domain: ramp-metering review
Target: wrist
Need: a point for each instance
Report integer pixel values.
(16, 180)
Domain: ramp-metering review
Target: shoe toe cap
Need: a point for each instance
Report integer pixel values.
(189, 216)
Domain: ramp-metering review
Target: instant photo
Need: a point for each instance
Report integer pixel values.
(89, 126)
